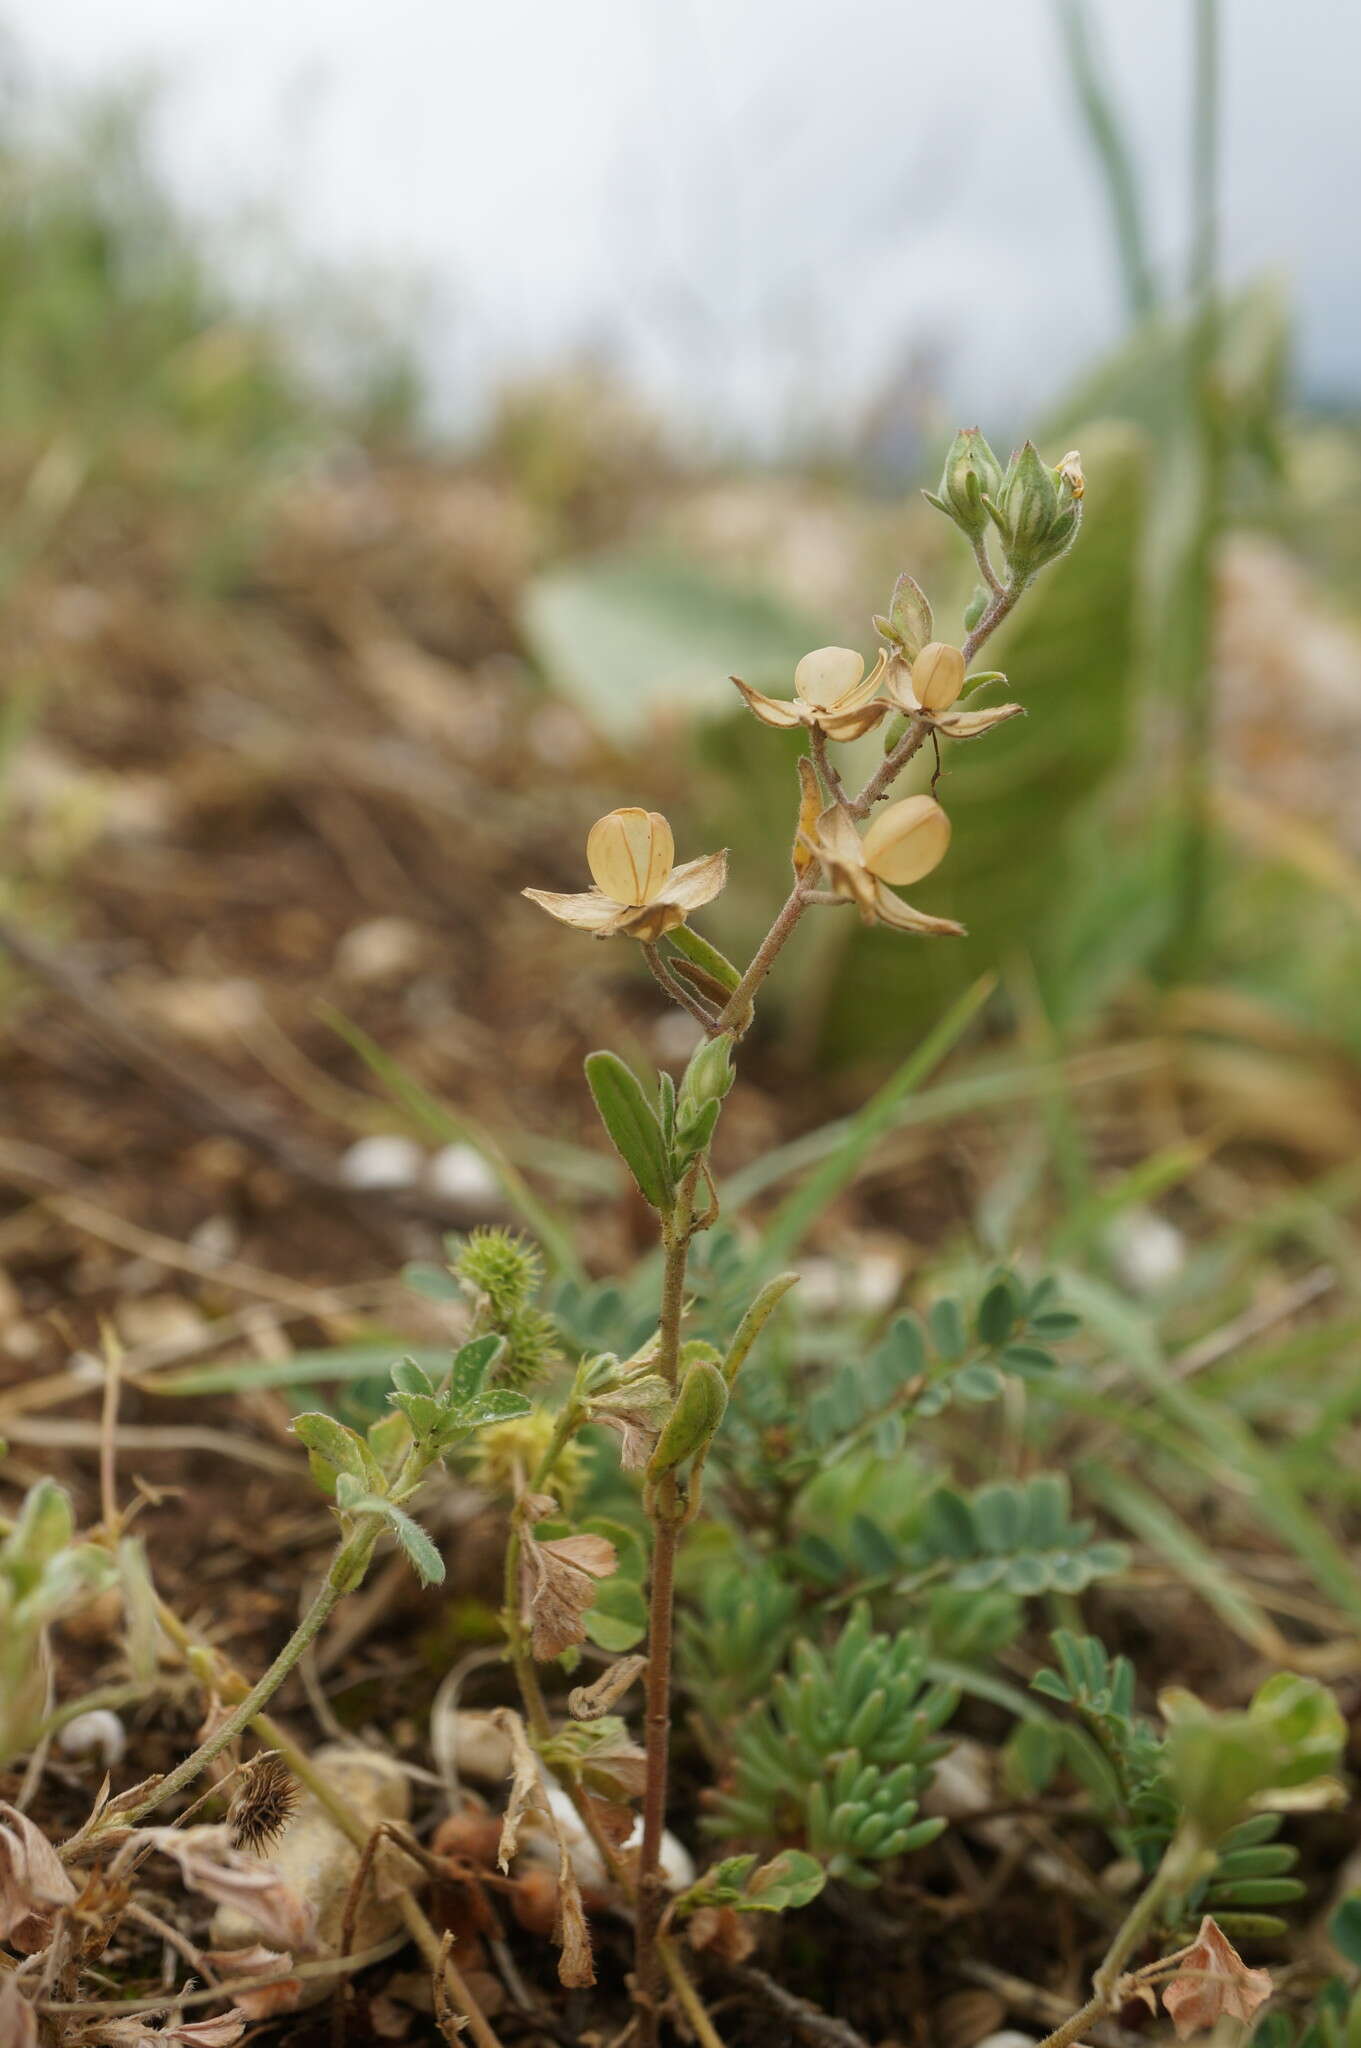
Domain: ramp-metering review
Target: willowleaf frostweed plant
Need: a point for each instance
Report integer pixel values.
(668, 1403)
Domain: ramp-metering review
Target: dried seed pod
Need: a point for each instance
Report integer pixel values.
(263, 1803)
(907, 840)
(938, 676)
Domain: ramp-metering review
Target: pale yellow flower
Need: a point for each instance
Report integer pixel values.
(930, 687)
(639, 893)
(902, 844)
(832, 695)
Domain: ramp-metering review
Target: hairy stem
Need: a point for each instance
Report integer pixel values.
(736, 1013)
(985, 568)
(889, 769)
(666, 1528)
(677, 990)
(349, 1824)
(347, 1569)
(526, 1677)
(1004, 601)
(1182, 1862)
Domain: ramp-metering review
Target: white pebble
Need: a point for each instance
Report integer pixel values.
(1146, 1250)
(99, 1734)
(540, 1846)
(382, 1162)
(460, 1173)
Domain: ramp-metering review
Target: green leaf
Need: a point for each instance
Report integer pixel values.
(420, 1552)
(632, 1125)
(436, 1283)
(1344, 1928)
(793, 1878)
(704, 956)
(410, 1378)
(472, 1362)
(997, 1313)
(617, 1617)
(340, 1447)
(498, 1404)
(754, 1321)
(631, 634)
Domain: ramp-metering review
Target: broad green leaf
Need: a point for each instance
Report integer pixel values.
(632, 1125)
(633, 636)
(342, 1450)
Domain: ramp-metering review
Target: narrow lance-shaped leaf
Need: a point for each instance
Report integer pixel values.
(754, 1321)
(632, 1125)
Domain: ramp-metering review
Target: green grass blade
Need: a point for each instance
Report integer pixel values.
(801, 1208)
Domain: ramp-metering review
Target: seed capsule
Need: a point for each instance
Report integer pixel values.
(630, 854)
(938, 676)
(906, 841)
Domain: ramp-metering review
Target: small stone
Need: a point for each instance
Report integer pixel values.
(461, 1174)
(382, 1162)
(382, 949)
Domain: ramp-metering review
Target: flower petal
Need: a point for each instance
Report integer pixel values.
(968, 725)
(589, 911)
(827, 676)
(907, 840)
(862, 692)
(898, 690)
(850, 724)
(629, 853)
(770, 710)
(901, 917)
(695, 882)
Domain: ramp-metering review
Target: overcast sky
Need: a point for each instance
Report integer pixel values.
(761, 206)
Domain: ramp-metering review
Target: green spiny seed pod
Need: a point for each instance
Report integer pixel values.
(501, 1264)
(971, 474)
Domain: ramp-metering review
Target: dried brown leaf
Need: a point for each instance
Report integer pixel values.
(1213, 1981)
(558, 1585)
(33, 1885)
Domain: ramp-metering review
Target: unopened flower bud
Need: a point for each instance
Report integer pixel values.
(938, 676)
(972, 473)
(1026, 509)
(630, 854)
(907, 840)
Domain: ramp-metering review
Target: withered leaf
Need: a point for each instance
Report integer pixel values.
(558, 1584)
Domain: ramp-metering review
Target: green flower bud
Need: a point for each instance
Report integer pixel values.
(693, 1422)
(971, 474)
(1025, 510)
(708, 1077)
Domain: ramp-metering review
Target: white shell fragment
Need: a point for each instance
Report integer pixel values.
(539, 1845)
(99, 1734)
